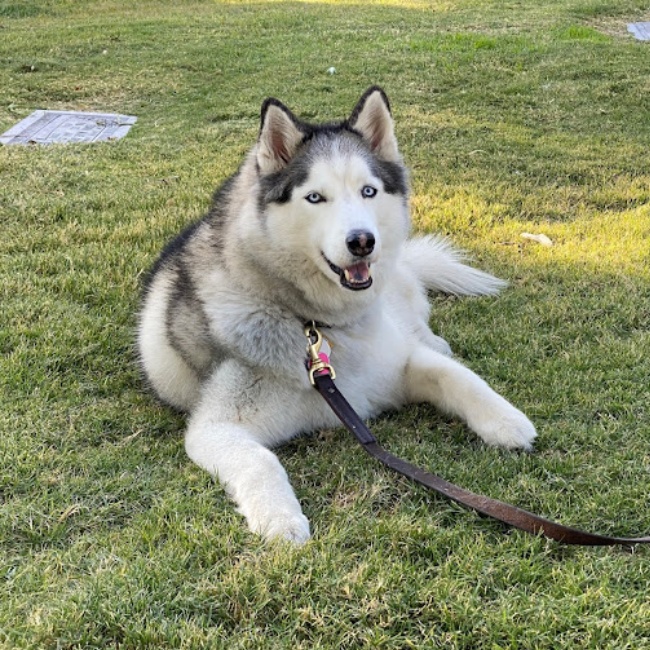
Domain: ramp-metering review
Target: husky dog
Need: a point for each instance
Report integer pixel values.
(313, 227)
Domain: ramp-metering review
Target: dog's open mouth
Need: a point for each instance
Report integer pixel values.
(355, 277)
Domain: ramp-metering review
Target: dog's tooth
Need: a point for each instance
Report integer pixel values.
(348, 277)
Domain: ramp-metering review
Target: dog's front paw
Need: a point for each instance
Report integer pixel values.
(280, 525)
(505, 427)
(291, 528)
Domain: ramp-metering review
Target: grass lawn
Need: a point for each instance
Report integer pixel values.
(525, 116)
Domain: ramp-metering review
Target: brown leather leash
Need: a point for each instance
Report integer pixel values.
(322, 375)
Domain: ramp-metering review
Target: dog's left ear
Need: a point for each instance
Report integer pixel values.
(371, 117)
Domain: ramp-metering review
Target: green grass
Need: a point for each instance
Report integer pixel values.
(517, 117)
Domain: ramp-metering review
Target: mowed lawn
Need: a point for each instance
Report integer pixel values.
(517, 117)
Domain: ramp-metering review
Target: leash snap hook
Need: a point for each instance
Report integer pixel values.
(317, 362)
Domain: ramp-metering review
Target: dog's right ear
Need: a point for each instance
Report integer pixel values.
(280, 136)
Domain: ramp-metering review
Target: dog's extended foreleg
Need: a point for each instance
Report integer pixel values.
(432, 377)
(251, 474)
(239, 416)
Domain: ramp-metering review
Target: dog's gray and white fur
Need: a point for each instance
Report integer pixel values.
(313, 226)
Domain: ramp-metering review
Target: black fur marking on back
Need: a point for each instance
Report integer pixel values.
(187, 325)
(218, 214)
(217, 219)
(171, 249)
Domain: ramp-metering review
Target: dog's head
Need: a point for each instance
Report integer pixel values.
(333, 197)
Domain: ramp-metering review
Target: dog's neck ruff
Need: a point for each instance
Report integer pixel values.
(321, 375)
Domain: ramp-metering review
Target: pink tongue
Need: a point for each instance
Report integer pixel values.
(358, 272)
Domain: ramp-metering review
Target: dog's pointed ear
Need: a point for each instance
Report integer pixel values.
(372, 118)
(280, 136)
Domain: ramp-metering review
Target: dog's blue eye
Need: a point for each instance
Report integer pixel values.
(368, 191)
(315, 197)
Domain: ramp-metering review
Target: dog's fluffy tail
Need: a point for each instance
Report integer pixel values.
(439, 267)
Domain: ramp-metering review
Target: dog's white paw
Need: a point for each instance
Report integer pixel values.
(281, 525)
(290, 528)
(505, 427)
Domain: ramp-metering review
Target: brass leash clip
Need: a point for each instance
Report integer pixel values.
(317, 361)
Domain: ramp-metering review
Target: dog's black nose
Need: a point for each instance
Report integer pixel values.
(360, 243)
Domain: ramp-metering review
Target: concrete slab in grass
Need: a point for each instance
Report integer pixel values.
(641, 31)
(48, 127)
